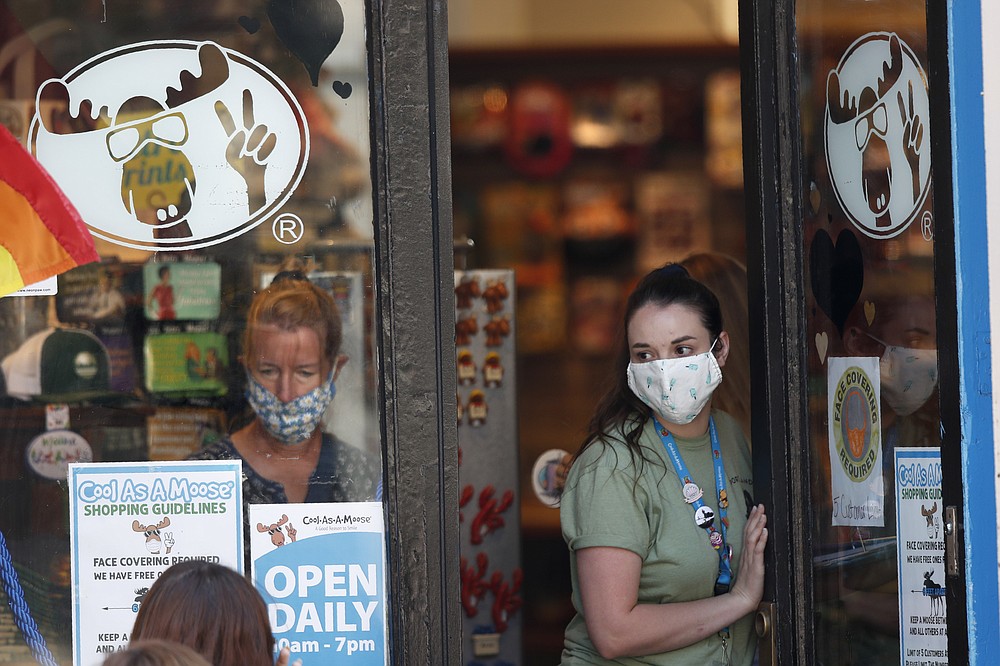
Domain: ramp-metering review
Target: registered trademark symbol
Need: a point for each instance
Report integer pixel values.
(927, 226)
(288, 228)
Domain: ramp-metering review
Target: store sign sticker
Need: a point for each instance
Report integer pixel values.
(50, 453)
(321, 570)
(171, 145)
(923, 618)
(129, 522)
(855, 436)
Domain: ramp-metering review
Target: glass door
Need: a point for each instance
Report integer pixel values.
(849, 351)
(868, 232)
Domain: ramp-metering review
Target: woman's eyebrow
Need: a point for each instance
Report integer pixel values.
(683, 338)
(918, 329)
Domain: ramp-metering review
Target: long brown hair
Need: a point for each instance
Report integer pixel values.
(620, 412)
(211, 608)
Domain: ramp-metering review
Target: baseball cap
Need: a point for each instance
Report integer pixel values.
(58, 365)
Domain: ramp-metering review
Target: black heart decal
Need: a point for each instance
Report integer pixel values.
(837, 274)
(342, 88)
(251, 25)
(310, 29)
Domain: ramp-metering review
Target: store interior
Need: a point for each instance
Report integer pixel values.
(588, 147)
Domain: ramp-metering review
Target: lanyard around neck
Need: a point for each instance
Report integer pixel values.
(716, 535)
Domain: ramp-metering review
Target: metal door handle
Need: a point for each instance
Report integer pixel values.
(767, 638)
(951, 541)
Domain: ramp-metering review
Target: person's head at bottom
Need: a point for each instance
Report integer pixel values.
(156, 653)
(211, 609)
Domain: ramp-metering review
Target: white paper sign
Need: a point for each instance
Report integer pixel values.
(923, 634)
(128, 523)
(321, 570)
(855, 436)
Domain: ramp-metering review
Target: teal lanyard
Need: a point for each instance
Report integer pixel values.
(716, 535)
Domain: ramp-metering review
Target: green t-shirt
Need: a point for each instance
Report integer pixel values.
(610, 501)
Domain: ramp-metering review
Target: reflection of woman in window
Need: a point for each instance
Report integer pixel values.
(163, 295)
(291, 352)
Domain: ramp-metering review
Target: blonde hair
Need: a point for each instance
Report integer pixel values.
(727, 278)
(291, 302)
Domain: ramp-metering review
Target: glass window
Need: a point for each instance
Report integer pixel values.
(218, 154)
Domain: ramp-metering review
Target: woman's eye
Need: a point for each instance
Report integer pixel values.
(643, 356)
(684, 351)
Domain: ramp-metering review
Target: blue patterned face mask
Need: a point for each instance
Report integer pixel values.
(294, 421)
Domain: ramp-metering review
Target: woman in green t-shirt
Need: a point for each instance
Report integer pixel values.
(666, 542)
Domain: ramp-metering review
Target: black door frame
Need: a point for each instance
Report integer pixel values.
(945, 270)
(771, 153)
(415, 320)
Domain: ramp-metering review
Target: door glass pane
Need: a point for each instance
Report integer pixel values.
(207, 147)
(872, 357)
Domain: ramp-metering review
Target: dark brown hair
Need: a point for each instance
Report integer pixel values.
(156, 653)
(211, 608)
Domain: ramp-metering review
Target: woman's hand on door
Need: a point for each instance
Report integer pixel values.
(749, 583)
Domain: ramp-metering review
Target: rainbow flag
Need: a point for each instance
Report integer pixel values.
(41, 233)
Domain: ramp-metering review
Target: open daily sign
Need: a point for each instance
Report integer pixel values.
(321, 571)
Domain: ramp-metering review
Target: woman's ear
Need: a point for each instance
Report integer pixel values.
(338, 365)
(722, 348)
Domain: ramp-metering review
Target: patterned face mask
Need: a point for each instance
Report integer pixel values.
(294, 421)
(676, 389)
(908, 376)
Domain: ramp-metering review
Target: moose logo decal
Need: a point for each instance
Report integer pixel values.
(877, 135)
(172, 145)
